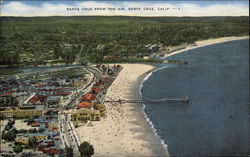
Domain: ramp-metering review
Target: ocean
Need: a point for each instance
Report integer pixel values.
(216, 121)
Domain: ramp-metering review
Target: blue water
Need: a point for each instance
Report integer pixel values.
(216, 121)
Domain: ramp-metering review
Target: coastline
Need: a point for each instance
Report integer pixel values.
(125, 130)
(207, 42)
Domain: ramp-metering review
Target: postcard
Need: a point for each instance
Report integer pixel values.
(124, 78)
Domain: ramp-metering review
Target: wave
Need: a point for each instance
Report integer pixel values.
(143, 108)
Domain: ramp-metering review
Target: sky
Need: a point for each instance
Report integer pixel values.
(131, 8)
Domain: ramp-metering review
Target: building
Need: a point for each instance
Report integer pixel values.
(41, 146)
(52, 126)
(83, 115)
(101, 108)
(77, 83)
(23, 139)
(84, 104)
(41, 136)
(54, 101)
(21, 113)
(88, 97)
(96, 90)
(52, 150)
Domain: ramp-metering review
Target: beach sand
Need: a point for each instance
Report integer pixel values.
(124, 131)
(206, 43)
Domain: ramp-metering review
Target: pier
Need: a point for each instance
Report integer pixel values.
(167, 100)
(184, 100)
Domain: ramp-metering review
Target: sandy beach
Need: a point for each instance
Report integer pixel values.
(124, 131)
(206, 43)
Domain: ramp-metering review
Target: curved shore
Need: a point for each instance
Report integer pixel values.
(207, 42)
(124, 131)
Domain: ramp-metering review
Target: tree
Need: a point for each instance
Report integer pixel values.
(17, 149)
(8, 127)
(41, 130)
(9, 136)
(32, 142)
(86, 149)
(11, 122)
(23, 131)
(32, 130)
(30, 120)
(69, 152)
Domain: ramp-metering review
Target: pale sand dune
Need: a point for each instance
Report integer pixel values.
(207, 42)
(125, 131)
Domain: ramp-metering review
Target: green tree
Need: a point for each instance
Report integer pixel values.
(32, 142)
(17, 149)
(11, 122)
(9, 136)
(86, 149)
(23, 131)
(69, 152)
(41, 130)
(8, 127)
(30, 120)
(32, 130)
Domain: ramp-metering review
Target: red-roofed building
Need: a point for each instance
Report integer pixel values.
(34, 100)
(41, 146)
(84, 104)
(52, 150)
(105, 79)
(62, 93)
(35, 124)
(96, 90)
(97, 84)
(88, 97)
(7, 94)
(42, 98)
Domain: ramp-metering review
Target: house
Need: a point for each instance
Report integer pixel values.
(83, 115)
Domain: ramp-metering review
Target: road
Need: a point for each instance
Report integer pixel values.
(68, 135)
(95, 76)
(66, 128)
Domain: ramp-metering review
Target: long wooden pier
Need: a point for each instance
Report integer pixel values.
(169, 100)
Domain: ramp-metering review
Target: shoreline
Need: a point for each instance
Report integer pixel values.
(125, 131)
(207, 42)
